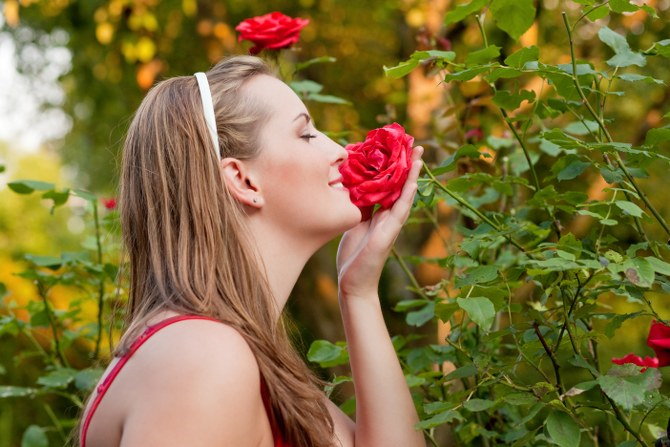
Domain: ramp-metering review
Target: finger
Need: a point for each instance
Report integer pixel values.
(401, 208)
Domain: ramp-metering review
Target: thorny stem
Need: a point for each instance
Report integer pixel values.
(557, 373)
(408, 272)
(465, 204)
(47, 308)
(602, 126)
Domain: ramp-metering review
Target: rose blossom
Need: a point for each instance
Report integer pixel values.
(659, 340)
(377, 168)
(647, 362)
(272, 31)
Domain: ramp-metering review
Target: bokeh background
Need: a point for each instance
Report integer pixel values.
(73, 72)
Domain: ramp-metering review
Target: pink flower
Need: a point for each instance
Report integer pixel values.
(271, 31)
(110, 203)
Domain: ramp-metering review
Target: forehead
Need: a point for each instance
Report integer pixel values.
(276, 95)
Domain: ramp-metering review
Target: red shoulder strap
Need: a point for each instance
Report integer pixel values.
(104, 386)
(276, 432)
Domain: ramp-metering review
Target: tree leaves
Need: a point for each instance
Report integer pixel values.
(462, 11)
(510, 101)
(626, 386)
(479, 309)
(623, 55)
(513, 16)
(563, 430)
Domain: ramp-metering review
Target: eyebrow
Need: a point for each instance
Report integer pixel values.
(307, 117)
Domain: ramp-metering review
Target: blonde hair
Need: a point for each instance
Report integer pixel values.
(190, 249)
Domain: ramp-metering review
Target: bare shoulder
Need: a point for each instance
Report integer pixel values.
(192, 376)
(344, 427)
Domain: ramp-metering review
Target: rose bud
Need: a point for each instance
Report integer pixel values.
(377, 168)
(271, 31)
(110, 203)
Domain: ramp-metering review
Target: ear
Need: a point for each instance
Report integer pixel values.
(241, 182)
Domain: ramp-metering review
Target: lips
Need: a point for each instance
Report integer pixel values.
(337, 180)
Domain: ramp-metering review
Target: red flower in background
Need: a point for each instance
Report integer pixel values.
(647, 362)
(659, 340)
(377, 168)
(110, 203)
(270, 31)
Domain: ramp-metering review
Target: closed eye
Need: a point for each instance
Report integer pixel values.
(307, 137)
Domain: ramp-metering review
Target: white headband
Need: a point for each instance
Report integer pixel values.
(208, 109)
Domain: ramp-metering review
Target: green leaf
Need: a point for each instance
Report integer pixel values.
(465, 75)
(513, 16)
(563, 430)
(573, 170)
(462, 11)
(316, 60)
(28, 186)
(519, 58)
(327, 354)
(511, 101)
(86, 379)
(623, 56)
(598, 13)
(659, 266)
(440, 419)
(59, 378)
(305, 86)
(16, 391)
(626, 386)
(630, 208)
(449, 163)
(639, 271)
(656, 136)
(622, 6)
(328, 99)
(478, 275)
(482, 56)
(478, 404)
(402, 69)
(34, 436)
(479, 309)
(462, 372)
(422, 316)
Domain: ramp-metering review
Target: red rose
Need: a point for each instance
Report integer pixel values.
(659, 341)
(110, 204)
(272, 31)
(647, 362)
(376, 169)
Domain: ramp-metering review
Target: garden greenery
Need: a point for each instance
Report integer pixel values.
(522, 294)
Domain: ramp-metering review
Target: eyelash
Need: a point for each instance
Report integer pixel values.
(307, 137)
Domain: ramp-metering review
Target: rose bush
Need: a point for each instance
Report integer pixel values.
(376, 169)
(271, 31)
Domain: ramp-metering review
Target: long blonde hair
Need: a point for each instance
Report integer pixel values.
(189, 248)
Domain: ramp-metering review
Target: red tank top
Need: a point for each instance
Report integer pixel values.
(102, 388)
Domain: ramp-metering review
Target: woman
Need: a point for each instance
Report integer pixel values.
(227, 189)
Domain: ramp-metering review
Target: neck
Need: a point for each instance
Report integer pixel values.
(284, 256)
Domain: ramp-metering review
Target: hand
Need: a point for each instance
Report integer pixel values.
(363, 250)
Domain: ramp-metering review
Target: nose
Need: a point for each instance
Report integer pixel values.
(340, 152)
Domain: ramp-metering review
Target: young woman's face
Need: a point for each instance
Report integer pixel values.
(298, 166)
